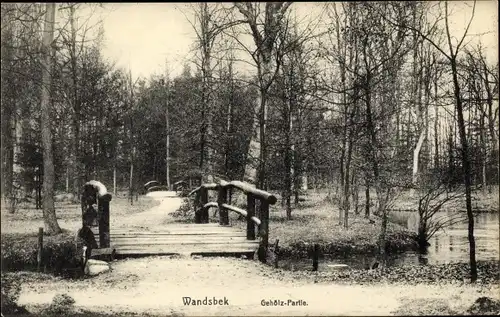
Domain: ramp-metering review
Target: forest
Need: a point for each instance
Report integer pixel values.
(363, 100)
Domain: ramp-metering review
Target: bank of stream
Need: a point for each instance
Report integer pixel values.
(448, 245)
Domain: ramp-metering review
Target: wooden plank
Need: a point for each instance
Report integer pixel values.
(180, 242)
(190, 225)
(189, 245)
(180, 231)
(106, 251)
(146, 242)
(214, 248)
(137, 234)
(175, 233)
(179, 237)
(220, 229)
(223, 228)
(246, 243)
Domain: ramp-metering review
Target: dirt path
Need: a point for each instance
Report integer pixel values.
(159, 285)
(153, 217)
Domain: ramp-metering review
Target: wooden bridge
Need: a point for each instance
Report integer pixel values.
(200, 237)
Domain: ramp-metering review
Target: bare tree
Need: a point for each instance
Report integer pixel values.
(49, 212)
(8, 101)
(264, 27)
(433, 195)
(72, 46)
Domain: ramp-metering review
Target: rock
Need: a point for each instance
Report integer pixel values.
(338, 266)
(95, 267)
(63, 197)
(59, 197)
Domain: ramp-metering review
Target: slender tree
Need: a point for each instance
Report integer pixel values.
(264, 36)
(49, 212)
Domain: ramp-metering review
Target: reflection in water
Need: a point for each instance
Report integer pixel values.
(447, 246)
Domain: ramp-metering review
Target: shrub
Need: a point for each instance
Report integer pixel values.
(485, 306)
(185, 213)
(61, 254)
(10, 294)
(62, 305)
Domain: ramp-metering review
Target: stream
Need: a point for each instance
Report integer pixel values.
(450, 245)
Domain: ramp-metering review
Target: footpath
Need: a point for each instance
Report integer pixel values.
(175, 285)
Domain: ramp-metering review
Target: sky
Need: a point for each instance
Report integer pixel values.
(143, 37)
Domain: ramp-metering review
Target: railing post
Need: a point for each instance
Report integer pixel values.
(264, 230)
(230, 195)
(203, 201)
(315, 257)
(251, 213)
(197, 209)
(39, 257)
(104, 240)
(222, 199)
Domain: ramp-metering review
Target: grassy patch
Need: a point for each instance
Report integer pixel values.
(60, 253)
(316, 220)
(488, 274)
(319, 224)
(424, 307)
(28, 219)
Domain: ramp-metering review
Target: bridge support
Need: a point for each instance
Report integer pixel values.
(251, 213)
(95, 211)
(224, 188)
(264, 230)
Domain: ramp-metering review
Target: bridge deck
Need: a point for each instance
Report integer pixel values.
(210, 238)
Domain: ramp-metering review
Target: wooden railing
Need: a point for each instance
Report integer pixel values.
(224, 190)
(95, 192)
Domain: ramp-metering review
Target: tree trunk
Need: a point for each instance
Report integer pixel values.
(493, 157)
(7, 100)
(466, 169)
(346, 186)
(131, 180)
(417, 98)
(49, 212)
(167, 120)
(436, 126)
(253, 152)
(114, 179)
(355, 192)
(229, 124)
(67, 180)
(73, 162)
(288, 155)
(416, 155)
(367, 198)
(300, 172)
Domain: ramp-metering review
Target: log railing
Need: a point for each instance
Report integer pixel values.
(224, 190)
(95, 193)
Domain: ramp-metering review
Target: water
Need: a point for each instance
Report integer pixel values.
(446, 246)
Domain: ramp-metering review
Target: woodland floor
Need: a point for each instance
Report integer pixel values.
(156, 286)
(27, 219)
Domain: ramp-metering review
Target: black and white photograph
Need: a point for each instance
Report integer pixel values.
(330, 158)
